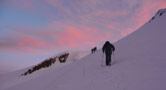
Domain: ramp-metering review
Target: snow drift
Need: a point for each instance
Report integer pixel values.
(139, 63)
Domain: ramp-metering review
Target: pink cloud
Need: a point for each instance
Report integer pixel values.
(48, 39)
(102, 15)
(144, 14)
(148, 10)
(24, 43)
(162, 4)
(74, 36)
(63, 34)
(29, 41)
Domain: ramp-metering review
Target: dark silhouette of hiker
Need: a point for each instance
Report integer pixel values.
(93, 50)
(108, 48)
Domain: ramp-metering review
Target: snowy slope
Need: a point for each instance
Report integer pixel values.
(139, 63)
(14, 78)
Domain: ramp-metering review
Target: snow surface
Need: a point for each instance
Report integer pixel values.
(139, 63)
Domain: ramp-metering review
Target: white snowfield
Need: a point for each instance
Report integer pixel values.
(139, 63)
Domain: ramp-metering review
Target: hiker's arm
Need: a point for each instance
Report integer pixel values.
(113, 47)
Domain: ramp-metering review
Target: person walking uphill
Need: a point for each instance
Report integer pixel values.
(108, 48)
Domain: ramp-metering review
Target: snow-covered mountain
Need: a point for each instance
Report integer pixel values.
(158, 14)
(139, 63)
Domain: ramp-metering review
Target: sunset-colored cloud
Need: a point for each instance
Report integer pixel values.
(32, 30)
(143, 14)
(75, 36)
(67, 37)
(23, 43)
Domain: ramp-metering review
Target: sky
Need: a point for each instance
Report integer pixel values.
(33, 30)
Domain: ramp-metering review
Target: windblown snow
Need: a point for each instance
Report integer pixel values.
(139, 63)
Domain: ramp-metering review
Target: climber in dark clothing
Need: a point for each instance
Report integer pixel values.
(108, 48)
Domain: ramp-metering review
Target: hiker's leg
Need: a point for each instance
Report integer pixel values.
(107, 60)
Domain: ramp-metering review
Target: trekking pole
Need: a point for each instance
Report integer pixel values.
(114, 56)
(102, 60)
